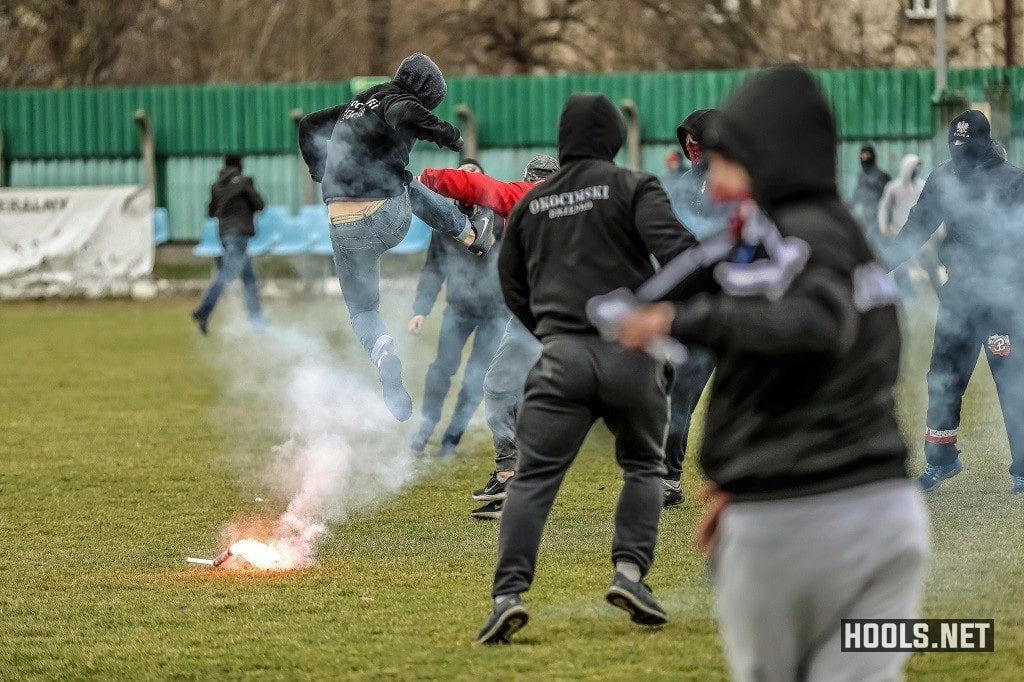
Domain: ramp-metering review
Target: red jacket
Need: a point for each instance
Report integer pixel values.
(475, 188)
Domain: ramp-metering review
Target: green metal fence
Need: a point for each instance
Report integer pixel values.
(82, 136)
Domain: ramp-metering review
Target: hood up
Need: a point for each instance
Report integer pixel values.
(590, 128)
(695, 124)
(779, 127)
(419, 74)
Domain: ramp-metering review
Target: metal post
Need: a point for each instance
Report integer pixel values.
(470, 132)
(1, 157)
(147, 142)
(940, 46)
(633, 155)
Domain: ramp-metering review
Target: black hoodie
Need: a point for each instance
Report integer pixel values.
(233, 200)
(980, 197)
(588, 229)
(802, 396)
(361, 149)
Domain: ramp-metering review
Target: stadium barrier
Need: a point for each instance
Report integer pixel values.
(279, 233)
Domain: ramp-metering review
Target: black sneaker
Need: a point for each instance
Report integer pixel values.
(482, 220)
(636, 599)
(491, 510)
(395, 396)
(504, 620)
(494, 490)
(200, 322)
(673, 493)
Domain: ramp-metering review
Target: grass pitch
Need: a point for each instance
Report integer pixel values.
(122, 453)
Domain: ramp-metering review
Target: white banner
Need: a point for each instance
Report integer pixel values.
(74, 240)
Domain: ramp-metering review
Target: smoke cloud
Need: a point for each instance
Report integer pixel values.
(341, 452)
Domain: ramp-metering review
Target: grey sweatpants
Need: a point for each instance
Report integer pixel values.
(786, 572)
(578, 380)
(517, 352)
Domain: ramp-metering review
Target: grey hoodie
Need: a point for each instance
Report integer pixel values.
(899, 196)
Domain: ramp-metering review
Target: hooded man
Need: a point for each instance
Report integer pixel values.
(980, 198)
(589, 229)
(359, 152)
(475, 308)
(898, 197)
(813, 519)
(695, 210)
(702, 217)
(870, 184)
(518, 350)
(233, 202)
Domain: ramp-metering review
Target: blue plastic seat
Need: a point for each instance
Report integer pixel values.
(316, 223)
(294, 240)
(161, 226)
(209, 246)
(417, 239)
(270, 225)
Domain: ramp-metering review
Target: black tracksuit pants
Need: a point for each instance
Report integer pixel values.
(579, 379)
(964, 324)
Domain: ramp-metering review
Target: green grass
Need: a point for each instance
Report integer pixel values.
(123, 450)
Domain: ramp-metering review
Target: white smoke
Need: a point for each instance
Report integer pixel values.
(342, 451)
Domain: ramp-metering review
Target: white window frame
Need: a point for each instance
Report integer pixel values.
(925, 9)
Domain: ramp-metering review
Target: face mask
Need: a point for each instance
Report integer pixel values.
(696, 157)
(867, 164)
(913, 173)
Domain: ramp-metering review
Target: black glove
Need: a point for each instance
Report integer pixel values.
(457, 145)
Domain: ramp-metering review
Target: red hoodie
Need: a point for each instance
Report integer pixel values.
(475, 188)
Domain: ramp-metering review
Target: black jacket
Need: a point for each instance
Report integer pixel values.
(868, 192)
(802, 397)
(233, 200)
(361, 149)
(471, 282)
(983, 210)
(588, 229)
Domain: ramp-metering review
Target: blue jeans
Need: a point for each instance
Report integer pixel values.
(456, 328)
(236, 262)
(358, 246)
(438, 212)
(691, 378)
(518, 351)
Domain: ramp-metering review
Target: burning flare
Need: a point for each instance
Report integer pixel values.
(260, 554)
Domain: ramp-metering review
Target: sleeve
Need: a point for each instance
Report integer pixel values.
(816, 315)
(885, 207)
(660, 230)
(923, 220)
(432, 277)
(515, 285)
(254, 198)
(314, 133)
(405, 113)
(475, 188)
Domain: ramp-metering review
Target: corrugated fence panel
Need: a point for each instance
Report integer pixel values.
(188, 179)
(196, 120)
(75, 172)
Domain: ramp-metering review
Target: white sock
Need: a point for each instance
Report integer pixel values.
(671, 484)
(628, 569)
(502, 598)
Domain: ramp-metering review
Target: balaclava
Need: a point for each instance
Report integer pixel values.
(974, 133)
(868, 163)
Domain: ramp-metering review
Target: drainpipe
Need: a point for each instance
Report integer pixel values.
(629, 108)
(470, 133)
(147, 141)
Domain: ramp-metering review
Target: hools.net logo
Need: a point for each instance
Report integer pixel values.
(921, 634)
